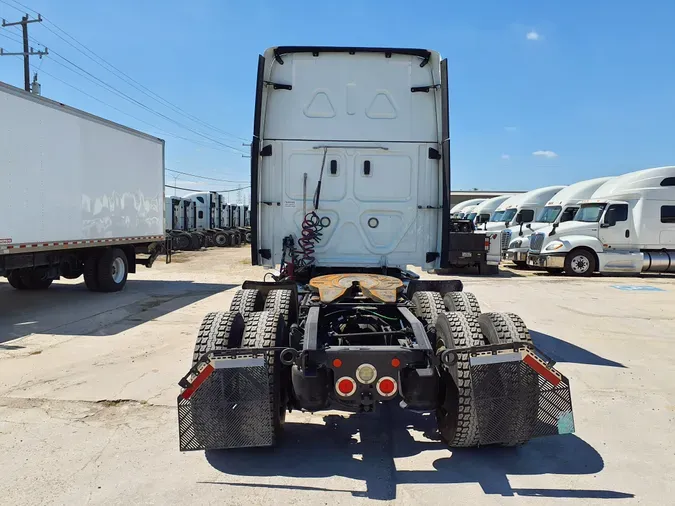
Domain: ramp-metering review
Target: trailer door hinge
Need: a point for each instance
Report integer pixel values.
(279, 86)
(266, 151)
(434, 154)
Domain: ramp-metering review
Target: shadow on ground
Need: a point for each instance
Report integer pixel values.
(318, 451)
(473, 272)
(562, 351)
(67, 309)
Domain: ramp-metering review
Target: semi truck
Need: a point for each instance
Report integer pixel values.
(561, 208)
(210, 219)
(350, 174)
(83, 196)
(180, 219)
(627, 226)
(483, 212)
(454, 212)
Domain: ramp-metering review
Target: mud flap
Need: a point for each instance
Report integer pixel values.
(518, 397)
(226, 404)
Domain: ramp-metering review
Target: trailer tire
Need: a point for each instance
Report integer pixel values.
(427, 306)
(267, 329)
(282, 302)
(90, 272)
(500, 328)
(247, 302)
(15, 280)
(221, 239)
(580, 262)
(218, 331)
(112, 270)
(35, 279)
(456, 415)
(463, 302)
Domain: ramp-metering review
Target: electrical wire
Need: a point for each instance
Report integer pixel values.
(204, 177)
(119, 73)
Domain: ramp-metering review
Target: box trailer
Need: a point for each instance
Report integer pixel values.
(82, 195)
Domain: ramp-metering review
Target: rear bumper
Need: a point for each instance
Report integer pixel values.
(554, 261)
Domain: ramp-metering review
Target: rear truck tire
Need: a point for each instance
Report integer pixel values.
(580, 263)
(499, 328)
(247, 237)
(266, 329)
(427, 307)
(221, 239)
(456, 415)
(247, 302)
(281, 301)
(181, 242)
(463, 302)
(90, 272)
(36, 279)
(112, 270)
(237, 239)
(218, 331)
(15, 280)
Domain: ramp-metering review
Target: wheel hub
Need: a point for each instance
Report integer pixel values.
(579, 264)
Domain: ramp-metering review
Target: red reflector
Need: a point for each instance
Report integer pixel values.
(395, 362)
(337, 363)
(345, 386)
(386, 386)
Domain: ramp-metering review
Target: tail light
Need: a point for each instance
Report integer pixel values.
(345, 386)
(387, 386)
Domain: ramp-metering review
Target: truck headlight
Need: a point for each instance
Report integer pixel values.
(554, 246)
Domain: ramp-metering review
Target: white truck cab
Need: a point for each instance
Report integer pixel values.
(463, 214)
(360, 138)
(459, 209)
(561, 208)
(627, 226)
(482, 213)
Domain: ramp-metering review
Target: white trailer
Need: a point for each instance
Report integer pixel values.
(82, 195)
(561, 208)
(627, 226)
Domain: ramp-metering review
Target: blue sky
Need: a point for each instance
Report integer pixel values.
(542, 92)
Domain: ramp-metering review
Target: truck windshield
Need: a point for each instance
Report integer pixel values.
(509, 214)
(497, 216)
(470, 216)
(590, 212)
(549, 214)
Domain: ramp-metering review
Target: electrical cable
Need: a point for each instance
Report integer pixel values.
(205, 177)
(217, 191)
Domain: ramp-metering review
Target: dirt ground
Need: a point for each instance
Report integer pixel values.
(88, 386)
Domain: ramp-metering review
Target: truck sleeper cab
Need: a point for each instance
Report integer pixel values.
(343, 324)
(627, 227)
(561, 208)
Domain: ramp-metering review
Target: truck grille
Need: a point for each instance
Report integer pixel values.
(536, 241)
(506, 239)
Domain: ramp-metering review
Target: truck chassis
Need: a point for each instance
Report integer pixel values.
(352, 341)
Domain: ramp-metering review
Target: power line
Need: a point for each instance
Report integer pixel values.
(204, 177)
(217, 191)
(122, 75)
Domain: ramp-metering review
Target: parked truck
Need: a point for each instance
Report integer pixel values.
(627, 226)
(210, 220)
(457, 209)
(360, 138)
(82, 195)
(484, 211)
(179, 223)
(562, 207)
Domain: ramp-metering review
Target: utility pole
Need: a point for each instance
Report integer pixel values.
(27, 52)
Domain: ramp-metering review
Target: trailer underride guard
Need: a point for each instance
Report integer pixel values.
(344, 325)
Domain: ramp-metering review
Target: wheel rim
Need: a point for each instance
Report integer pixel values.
(118, 270)
(580, 264)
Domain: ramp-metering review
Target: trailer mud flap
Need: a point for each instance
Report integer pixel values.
(518, 397)
(226, 405)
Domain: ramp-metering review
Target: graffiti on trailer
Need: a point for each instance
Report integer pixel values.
(116, 214)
